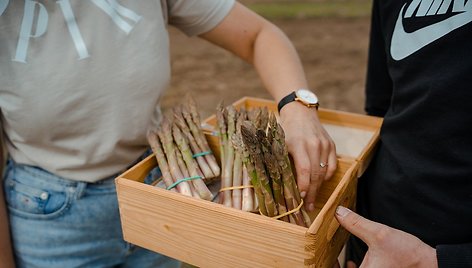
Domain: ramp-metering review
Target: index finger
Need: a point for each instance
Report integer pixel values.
(302, 168)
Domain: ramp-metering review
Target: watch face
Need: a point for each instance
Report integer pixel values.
(307, 96)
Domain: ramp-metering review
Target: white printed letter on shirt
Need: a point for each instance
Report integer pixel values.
(115, 10)
(27, 27)
(73, 29)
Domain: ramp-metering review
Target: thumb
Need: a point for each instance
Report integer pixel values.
(351, 264)
(357, 225)
(336, 265)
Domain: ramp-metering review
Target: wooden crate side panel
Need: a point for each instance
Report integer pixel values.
(326, 115)
(139, 171)
(245, 102)
(368, 154)
(328, 187)
(206, 234)
(334, 117)
(211, 121)
(257, 102)
(329, 255)
(325, 228)
(360, 121)
(214, 143)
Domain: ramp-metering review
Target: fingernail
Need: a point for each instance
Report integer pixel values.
(311, 207)
(303, 194)
(342, 211)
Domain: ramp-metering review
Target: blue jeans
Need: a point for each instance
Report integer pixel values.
(62, 223)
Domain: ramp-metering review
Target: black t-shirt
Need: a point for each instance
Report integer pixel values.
(420, 80)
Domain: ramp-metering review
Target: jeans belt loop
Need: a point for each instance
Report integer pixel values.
(80, 189)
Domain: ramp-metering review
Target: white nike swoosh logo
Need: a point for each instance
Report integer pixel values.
(404, 44)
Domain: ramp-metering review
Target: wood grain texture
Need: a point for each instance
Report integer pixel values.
(204, 233)
(329, 236)
(207, 234)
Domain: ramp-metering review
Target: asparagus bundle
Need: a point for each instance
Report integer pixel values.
(248, 133)
(236, 189)
(193, 121)
(280, 151)
(192, 166)
(183, 154)
(274, 173)
(165, 137)
(273, 179)
(202, 162)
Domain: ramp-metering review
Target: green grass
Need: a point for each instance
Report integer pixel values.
(290, 10)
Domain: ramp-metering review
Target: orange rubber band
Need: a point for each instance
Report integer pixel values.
(235, 188)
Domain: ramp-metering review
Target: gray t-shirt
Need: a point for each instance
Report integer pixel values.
(80, 80)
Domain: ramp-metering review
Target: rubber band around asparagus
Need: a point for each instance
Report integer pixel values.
(289, 212)
(235, 187)
(195, 155)
(170, 187)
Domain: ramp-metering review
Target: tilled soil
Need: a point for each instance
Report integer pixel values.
(333, 52)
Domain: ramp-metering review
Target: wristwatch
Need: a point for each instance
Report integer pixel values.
(304, 96)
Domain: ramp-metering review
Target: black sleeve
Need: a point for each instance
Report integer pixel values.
(452, 256)
(379, 83)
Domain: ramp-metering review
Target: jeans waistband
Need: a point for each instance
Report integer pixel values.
(53, 179)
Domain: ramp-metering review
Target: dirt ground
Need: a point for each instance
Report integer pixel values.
(333, 52)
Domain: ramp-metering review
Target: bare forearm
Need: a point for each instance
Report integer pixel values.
(259, 42)
(277, 62)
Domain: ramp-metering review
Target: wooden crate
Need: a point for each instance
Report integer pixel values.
(207, 234)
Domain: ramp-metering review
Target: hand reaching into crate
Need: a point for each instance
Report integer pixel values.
(254, 140)
(311, 148)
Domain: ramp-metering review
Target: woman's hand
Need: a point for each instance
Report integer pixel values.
(312, 149)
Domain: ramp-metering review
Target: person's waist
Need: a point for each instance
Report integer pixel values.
(68, 181)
